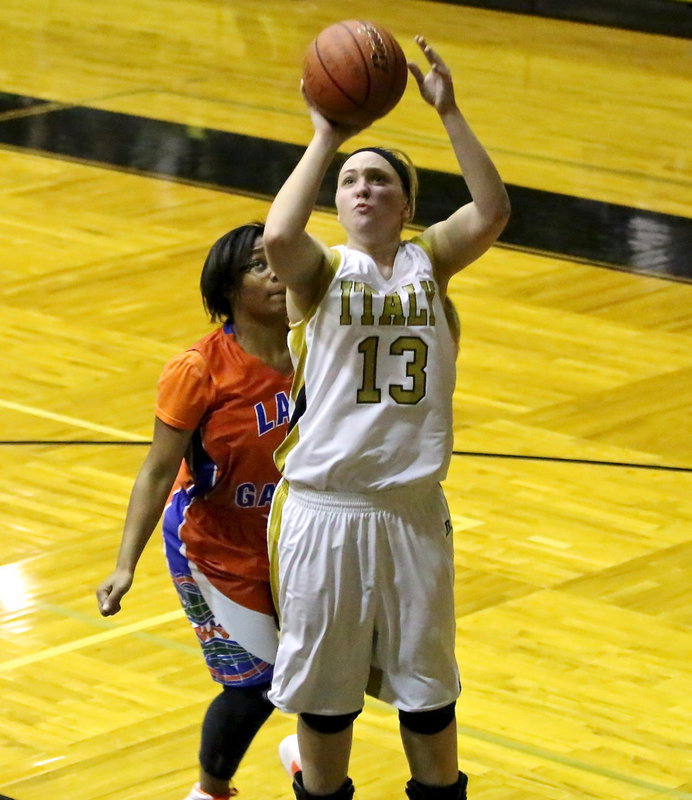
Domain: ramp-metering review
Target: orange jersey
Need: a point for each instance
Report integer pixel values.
(237, 407)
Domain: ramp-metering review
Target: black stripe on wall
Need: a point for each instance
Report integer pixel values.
(667, 17)
(18, 102)
(601, 233)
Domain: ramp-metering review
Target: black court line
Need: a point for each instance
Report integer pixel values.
(590, 231)
(79, 442)
(667, 17)
(559, 459)
(465, 453)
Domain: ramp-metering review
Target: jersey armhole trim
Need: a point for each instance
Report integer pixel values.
(330, 265)
(426, 246)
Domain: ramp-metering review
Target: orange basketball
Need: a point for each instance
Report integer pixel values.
(354, 72)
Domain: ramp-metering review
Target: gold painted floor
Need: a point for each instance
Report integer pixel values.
(574, 621)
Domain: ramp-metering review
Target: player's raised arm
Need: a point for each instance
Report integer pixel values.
(469, 231)
(294, 256)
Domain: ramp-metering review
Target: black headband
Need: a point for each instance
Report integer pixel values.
(396, 164)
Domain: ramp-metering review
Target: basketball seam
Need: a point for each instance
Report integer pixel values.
(328, 75)
(365, 64)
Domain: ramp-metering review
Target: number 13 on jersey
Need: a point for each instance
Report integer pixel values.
(411, 347)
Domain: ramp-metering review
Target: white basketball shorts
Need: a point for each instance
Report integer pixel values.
(365, 590)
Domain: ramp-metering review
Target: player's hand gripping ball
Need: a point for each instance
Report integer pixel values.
(354, 72)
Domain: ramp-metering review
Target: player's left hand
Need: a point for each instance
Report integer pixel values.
(111, 591)
(436, 87)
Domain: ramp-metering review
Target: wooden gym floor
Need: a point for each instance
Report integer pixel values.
(134, 134)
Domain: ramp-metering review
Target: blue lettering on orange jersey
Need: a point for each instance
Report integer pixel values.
(267, 422)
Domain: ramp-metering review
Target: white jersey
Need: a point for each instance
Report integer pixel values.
(374, 377)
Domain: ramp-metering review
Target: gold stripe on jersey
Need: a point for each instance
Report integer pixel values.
(273, 533)
(450, 310)
(327, 273)
(428, 286)
(299, 351)
(425, 245)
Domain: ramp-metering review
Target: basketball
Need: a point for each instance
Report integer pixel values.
(354, 72)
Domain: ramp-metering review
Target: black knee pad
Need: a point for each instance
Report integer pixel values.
(420, 791)
(230, 724)
(323, 723)
(427, 722)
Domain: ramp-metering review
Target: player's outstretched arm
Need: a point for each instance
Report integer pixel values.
(147, 500)
(469, 231)
(294, 256)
